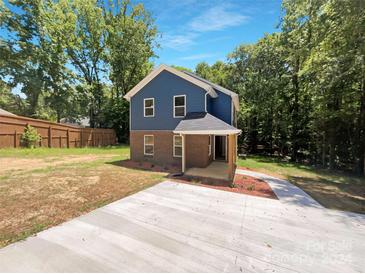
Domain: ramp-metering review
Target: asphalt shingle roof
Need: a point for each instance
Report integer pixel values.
(217, 87)
(203, 121)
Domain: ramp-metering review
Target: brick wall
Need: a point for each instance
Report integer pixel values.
(163, 148)
(196, 149)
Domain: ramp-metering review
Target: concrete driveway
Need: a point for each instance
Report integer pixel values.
(174, 227)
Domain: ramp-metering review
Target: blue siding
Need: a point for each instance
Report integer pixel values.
(221, 107)
(163, 87)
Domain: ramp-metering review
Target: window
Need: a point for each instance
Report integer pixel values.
(177, 146)
(149, 107)
(179, 106)
(210, 145)
(148, 145)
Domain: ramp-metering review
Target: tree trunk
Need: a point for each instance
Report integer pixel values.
(324, 151)
(332, 153)
(295, 114)
(361, 129)
(253, 134)
(58, 113)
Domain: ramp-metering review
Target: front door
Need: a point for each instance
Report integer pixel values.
(220, 147)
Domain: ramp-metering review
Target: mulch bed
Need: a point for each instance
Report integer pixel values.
(241, 184)
(253, 186)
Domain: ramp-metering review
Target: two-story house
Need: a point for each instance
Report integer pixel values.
(179, 119)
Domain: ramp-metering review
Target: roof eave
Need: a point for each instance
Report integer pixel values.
(163, 67)
(208, 131)
(236, 102)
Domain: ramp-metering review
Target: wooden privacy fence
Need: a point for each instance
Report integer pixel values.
(53, 134)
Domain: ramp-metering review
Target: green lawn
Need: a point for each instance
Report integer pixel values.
(333, 189)
(50, 152)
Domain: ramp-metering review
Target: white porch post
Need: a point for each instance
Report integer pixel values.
(183, 153)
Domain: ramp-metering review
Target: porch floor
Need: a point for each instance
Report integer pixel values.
(216, 170)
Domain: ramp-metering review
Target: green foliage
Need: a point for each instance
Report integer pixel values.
(250, 187)
(302, 90)
(30, 137)
(117, 117)
(10, 102)
(217, 73)
(181, 68)
(75, 59)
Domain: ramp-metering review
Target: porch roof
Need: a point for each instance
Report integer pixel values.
(204, 123)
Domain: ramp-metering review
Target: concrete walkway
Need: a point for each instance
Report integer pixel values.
(284, 190)
(174, 227)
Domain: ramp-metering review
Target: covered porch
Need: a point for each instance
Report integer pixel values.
(209, 146)
(216, 170)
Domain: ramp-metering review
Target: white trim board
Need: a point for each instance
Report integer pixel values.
(173, 108)
(144, 107)
(144, 145)
(183, 75)
(174, 145)
(207, 132)
(233, 95)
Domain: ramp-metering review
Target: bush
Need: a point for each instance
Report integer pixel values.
(30, 137)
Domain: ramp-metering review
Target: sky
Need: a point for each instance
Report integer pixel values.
(194, 31)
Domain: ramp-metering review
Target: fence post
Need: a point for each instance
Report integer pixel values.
(15, 139)
(68, 138)
(60, 141)
(50, 136)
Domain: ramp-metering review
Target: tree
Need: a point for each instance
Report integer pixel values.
(105, 43)
(259, 75)
(10, 102)
(24, 55)
(181, 68)
(302, 89)
(130, 42)
(217, 73)
(79, 28)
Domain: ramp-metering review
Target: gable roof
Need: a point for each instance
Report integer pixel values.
(233, 95)
(204, 123)
(179, 73)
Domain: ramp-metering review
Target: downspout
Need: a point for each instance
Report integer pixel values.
(183, 153)
(206, 107)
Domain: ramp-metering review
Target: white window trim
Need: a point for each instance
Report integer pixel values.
(144, 107)
(144, 145)
(173, 148)
(173, 110)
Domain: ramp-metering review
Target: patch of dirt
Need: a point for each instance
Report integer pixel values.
(350, 197)
(20, 164)
(35, 201)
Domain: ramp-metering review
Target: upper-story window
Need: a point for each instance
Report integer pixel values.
(179, 106)
(149, 107)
